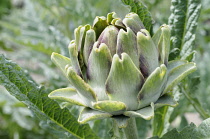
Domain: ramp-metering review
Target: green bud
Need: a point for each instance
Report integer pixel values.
(126, 72)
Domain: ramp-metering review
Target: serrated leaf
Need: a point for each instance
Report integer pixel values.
(16, 81)
(139, 8)
(183, 21)
(189, 132)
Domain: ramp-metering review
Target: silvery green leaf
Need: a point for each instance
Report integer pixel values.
(124, 81)
(118, 23)
(90, 39)
(77, 37)
(126, 42)
(67, 95)
(60, 61)
(80, 34)
(153, 86)
(113, 107)
(146, 113)
(148, 53)
(73, 54)
(88, 114)
(84, 90)
(175, 63)
(178, 73)
(99, 65)
(133, 21)
(162, 40)
(165, 100)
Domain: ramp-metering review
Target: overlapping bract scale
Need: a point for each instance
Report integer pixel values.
(118, 70)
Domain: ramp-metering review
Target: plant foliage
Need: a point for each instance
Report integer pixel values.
(189, 132)
(19, 84)
(183, 21)
(47, 26)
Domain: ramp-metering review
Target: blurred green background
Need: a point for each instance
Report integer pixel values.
(30, 30)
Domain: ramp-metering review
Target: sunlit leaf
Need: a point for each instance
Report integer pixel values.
(16, 81)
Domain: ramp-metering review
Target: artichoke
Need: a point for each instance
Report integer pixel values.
(118, 70)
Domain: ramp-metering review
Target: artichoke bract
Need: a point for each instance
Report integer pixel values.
(118, 70)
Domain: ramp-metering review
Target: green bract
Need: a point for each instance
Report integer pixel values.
(118, 70)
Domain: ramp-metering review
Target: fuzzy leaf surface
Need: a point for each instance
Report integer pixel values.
(20, 85)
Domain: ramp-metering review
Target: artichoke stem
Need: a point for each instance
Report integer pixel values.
(131, 130)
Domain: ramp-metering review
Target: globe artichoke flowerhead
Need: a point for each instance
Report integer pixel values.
(118, 70)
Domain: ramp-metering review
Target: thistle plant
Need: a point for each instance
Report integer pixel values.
(118, 70)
